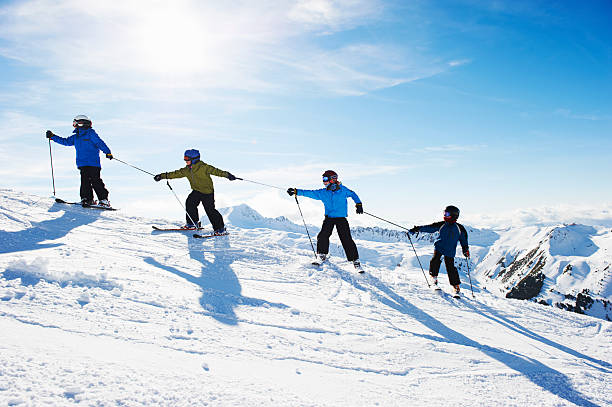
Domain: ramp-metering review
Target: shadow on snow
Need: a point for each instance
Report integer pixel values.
(221, 290)
(32, 237)
(539, 374)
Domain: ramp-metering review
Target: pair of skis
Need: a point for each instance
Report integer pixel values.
(437, 289)
(318, 263)
(196, 235)
(96, 206)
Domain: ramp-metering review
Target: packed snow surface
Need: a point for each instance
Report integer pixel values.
(97, 309)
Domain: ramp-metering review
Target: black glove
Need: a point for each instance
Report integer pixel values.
(415, 229)
(466, 252)
(109, 156)
(49, 134)
(292, 191)
(230, 176)
(359, 208)
(158, 177)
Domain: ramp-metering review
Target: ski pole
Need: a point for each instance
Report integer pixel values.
(260, 183)
(409, 239)
(139, 169)
(307, 232)
(467, 259)
(180, 203)
(52, 175)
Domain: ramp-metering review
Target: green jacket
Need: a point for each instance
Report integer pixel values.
(198, 176)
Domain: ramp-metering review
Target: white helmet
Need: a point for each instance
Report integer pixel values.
(81, 120)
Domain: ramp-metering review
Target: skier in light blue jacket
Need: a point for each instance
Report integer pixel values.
(334, 197)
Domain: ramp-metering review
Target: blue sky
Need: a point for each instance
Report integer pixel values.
(492, 106)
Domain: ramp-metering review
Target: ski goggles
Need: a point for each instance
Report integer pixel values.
(329, 179)
(447, 214)
(190, 158)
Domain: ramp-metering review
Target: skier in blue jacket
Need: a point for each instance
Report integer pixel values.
(450, 232)
(87, 144)
(334, 197)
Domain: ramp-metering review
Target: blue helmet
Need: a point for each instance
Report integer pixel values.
(192, 155)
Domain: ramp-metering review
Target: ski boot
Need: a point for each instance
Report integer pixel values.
(220, 232)
(105, 203)
(322, 257)
(456, 291)
(358, 267)
(85, 202)
(434, 282)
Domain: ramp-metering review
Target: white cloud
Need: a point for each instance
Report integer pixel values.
(459, 62)
(190, 50)
(596, 215)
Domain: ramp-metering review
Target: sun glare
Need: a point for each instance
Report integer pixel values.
(174, 42)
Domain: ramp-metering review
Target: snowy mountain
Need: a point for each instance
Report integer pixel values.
(567, 266)
(97, 309)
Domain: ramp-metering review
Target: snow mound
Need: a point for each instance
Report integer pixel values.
(572, 240)
(38, 270)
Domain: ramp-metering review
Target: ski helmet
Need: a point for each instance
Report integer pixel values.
(451, 213)
(330, 176)
(192, 155)
(81, 120)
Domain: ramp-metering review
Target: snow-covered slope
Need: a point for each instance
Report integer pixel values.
(96, 309)
(568, 266)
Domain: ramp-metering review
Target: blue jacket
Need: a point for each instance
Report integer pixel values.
(334, 202)
(450, 234)
(87, 144)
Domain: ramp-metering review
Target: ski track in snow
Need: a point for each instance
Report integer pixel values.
(96, 309)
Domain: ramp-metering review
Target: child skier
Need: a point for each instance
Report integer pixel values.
(87, 144)
(198, 173)
(450, 232)
(334, 197)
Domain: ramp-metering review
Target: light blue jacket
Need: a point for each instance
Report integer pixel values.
(87, 144)
(334, 201)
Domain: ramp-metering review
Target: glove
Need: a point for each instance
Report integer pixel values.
(109, 156)
(359, 208)
(231, 177)
(466, 252)
(49, 134)
(158, 177)
(292, 191)
(415, 229)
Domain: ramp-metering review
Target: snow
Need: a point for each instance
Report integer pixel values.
(96, 309)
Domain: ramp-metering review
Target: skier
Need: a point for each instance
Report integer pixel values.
(87, 144)
(334, 197)
(450, 232)
(198, 173)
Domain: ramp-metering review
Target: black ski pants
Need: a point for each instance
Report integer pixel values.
(449, 262)
(91, 181)
(208, 201)
(344, 232)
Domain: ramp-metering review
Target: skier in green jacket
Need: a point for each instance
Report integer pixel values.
(198, 173)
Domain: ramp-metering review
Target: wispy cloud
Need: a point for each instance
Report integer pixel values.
(449, 148)
(459, 62)
(577, 116)
(189, 50)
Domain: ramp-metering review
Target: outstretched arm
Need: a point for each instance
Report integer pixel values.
(311, 193)
(216, 171)
(432, 228)
(181, 173)
(60, 140)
